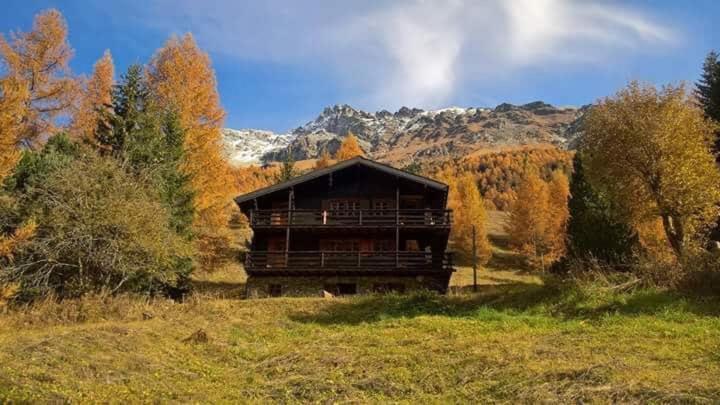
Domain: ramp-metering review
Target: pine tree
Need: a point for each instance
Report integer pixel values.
(150, 141)
(707, 92)
(287, 170)
(176, 186)
(129, 102)
(39, 59)
(96, 100)
(594, 229)
(349, 148)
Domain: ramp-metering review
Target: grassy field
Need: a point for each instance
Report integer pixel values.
(520, 338)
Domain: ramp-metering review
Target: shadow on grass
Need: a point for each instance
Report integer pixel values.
(560, 301)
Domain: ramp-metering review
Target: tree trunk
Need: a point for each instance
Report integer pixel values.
(674, 232)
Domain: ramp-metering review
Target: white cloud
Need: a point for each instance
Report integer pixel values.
(414, 52)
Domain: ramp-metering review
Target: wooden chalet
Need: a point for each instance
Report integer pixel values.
(358, 226)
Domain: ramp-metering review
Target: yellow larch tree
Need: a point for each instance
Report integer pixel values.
(649, 150)
(324, 160)
(39, 60)
(559, 214)
(181, 76)
(529, 220)
(468, 211)
(96, 98)
(349, 148)
(13, 110)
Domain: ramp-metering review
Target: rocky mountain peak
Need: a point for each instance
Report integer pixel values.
(412, 133)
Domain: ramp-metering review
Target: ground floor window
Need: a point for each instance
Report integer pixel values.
(341, 288)
(275, 290)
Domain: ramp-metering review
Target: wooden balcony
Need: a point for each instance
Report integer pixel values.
(404, 218)
(259, 262)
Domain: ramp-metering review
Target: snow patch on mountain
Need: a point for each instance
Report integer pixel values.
(247, 146)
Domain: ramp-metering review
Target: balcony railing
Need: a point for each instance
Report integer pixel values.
(343, 218)
(347, 261)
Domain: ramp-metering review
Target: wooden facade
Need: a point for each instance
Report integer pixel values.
(354, 227)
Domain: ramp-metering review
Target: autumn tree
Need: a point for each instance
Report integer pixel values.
(349, 148)
(649, 150)
(468, 211)
(96, 99)
(181, 75)
(39, 60)
(323, 161)
(558, 192)
(13, 98)
(538, 217)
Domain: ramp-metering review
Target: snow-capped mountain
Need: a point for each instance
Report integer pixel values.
(248, 146)
(411, 133)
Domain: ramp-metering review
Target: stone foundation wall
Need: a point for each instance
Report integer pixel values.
(313, 286)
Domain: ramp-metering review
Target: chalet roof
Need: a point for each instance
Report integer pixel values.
(339, 166)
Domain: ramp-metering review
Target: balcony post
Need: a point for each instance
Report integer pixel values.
(397, 224)
(360, 216)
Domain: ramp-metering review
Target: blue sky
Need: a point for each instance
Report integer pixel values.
(280, 62)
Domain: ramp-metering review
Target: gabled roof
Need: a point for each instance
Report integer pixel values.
(339, 166)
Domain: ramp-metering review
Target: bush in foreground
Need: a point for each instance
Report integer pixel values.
(98, 228)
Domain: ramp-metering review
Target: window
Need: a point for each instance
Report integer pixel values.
(383, 204)
(275, 290)
(341, 288)
(344, 205)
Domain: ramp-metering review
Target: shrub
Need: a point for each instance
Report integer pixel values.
(98, 228)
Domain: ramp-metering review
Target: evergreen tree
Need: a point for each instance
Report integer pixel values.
(149, 140)
(287, 170)
(130, 99)
(707, 91)
(176, 186)
(414, 168)
(593, 229)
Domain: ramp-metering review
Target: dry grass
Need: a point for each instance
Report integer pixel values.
(518, 340)
(510, 342)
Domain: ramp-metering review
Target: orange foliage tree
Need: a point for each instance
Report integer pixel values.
(500, 172)
(13, 101)
(181, 76)
(538, 217)
(323, 161)
(468, 209)
(349, 148)
(96, 98)
(39, 60)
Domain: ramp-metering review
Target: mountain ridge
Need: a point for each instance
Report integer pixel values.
(411, 134)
